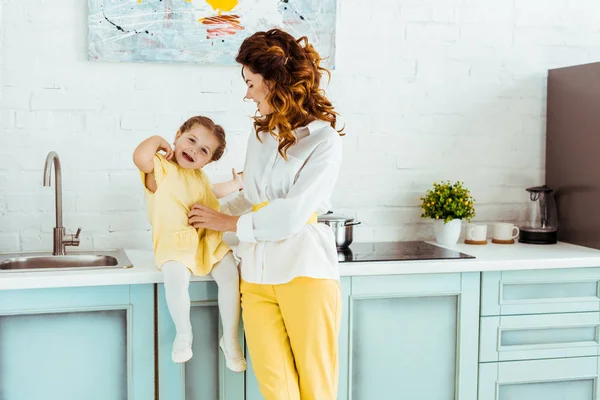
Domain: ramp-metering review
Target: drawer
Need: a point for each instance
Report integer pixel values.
(567, 378)
(540, 291)
(530, 337)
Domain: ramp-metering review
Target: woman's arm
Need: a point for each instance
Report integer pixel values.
(205, 217)
(282, 218)
(224, 221)
(143, 157)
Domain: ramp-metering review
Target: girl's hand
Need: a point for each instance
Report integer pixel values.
(204, 217)
(166, 147)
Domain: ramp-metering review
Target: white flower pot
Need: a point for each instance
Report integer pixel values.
(447, 233)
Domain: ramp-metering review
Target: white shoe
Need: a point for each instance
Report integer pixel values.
(234, 364)
(182, 348)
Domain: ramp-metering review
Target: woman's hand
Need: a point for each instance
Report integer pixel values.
(204, 217)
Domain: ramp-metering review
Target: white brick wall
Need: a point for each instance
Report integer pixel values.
(2, 116)
(428, 90)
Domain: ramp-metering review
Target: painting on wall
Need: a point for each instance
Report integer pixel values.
(201, 31)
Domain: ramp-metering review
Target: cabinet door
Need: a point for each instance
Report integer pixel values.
(92, 343)
(205, 376)
(413, 336)
(252, 390)
(558, 379)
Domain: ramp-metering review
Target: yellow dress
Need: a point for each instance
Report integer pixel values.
(178, 189)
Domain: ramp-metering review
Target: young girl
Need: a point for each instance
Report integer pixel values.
(174, 182)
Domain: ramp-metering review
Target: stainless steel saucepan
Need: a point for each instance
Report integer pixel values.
(342, 227)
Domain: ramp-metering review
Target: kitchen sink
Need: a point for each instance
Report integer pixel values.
(60, 258)
(23, 262)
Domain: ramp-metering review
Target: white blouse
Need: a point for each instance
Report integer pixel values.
(276, 243)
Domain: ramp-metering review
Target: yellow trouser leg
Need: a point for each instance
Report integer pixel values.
(268, 343)
(311, 309)
(292, 334)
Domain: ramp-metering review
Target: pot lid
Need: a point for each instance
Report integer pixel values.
(330, 216)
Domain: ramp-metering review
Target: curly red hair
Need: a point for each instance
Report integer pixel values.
(292, 69)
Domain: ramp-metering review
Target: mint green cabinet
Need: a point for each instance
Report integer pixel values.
(536, 335)
(92, 343)
(540, 335)
(407, 332)
(205, 376)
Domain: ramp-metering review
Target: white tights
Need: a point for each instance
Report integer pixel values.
(225, 274)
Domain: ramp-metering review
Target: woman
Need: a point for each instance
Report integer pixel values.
(291, 305)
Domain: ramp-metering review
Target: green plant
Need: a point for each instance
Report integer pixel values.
(448, 201)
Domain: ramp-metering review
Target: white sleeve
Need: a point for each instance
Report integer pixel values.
(282, 218)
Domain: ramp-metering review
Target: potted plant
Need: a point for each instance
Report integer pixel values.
(447, 204)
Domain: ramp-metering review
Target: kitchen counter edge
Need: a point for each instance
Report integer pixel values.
(491, 257)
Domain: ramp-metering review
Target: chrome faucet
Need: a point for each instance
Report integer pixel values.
(60, 239)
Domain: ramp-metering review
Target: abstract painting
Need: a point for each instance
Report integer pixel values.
(201, 31)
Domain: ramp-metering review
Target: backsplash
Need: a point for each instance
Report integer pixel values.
(427, 90)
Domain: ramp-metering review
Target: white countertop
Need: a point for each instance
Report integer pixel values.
(490, 257)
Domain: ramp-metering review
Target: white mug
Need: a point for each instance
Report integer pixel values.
(505, 231)
(477, 232)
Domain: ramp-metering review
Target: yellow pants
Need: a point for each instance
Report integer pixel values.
(292, 334)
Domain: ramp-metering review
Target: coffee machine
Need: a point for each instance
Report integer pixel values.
(541, 226)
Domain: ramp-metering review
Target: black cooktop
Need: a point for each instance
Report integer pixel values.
(397, 251)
